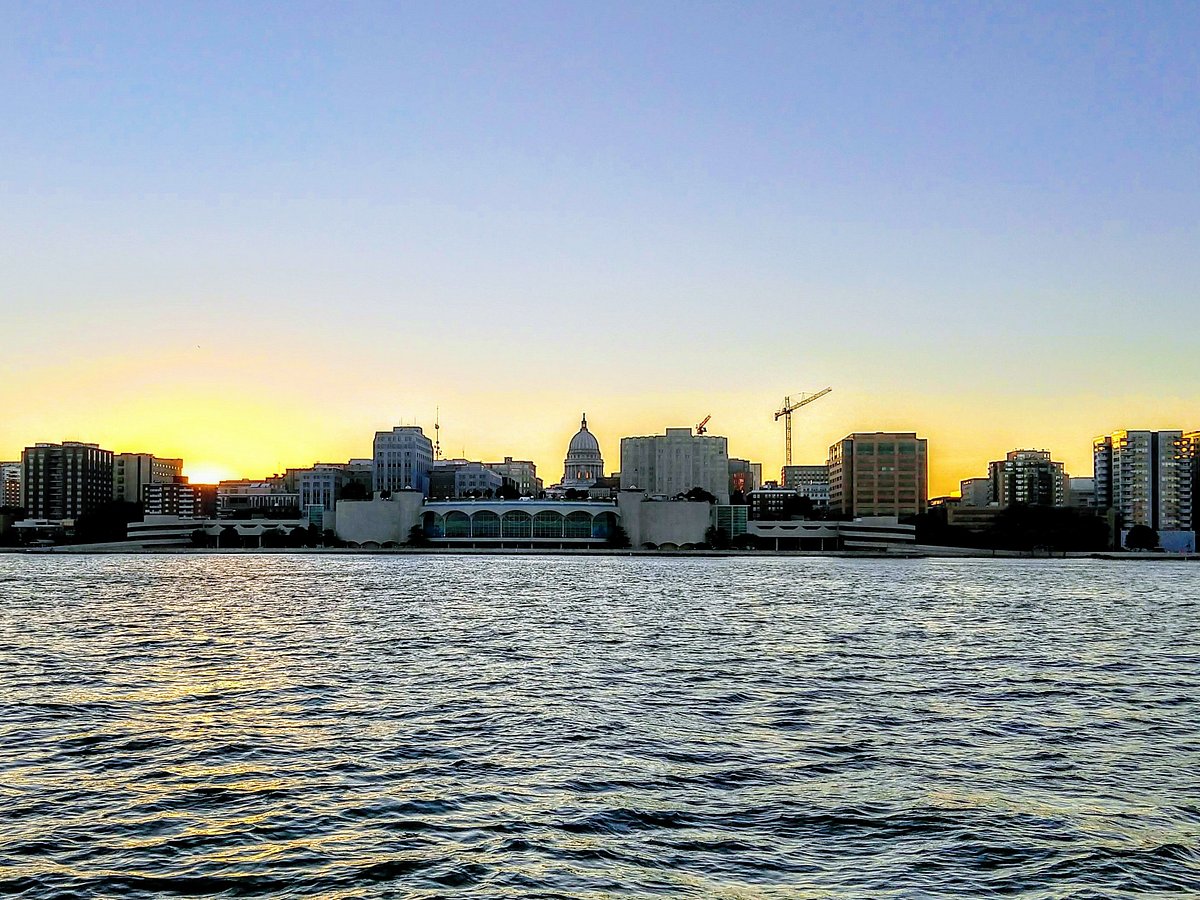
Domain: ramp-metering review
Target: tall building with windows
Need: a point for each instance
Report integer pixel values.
(402, 459)
(1029, 477)
(10, 484)
(1145, 477)
(65, 481)
(879, 474)
(133, 471)
(675, 462)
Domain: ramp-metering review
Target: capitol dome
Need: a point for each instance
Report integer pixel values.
(583, 466)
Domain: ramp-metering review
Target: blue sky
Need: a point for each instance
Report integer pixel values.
(988, 202)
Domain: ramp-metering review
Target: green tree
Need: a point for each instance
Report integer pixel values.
(355, 490)
(416, 536)
(273, 538)
(507, 492)
(618, 537)
(717, 538)
(700, 495)
(108, 522)
(1141, 537)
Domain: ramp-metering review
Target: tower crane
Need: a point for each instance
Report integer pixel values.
(701, 428)
(785, 412)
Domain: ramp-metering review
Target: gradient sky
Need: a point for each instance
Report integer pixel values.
(253, 234)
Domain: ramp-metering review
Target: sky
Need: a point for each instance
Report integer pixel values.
(251, 235)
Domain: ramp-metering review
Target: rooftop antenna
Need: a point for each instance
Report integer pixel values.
(437, 432)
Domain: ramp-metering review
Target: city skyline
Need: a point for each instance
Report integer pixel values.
(1078, 460)
(252, 237)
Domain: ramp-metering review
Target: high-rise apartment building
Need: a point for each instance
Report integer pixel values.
(807, 481)
(675, 462)
(1029, 477)
(879, 474)
(133, 471)
(65, 481)
(402, 459)
(10, 484)
(1146, 477)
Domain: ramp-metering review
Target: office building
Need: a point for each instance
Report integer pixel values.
(675, 462)
(807, 481)
(521, 474)
(975, 491)
(1145, 477)
(402, 459)
(453, 478)
(773, 503)
(1028, 477)
(65, 481)
(320, 486)
(879, 474)
(133, 471)
(1080, 492)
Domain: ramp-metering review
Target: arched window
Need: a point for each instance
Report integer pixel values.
(548, 524)
(602, 525)
(457, 525)
(434, 524)
(516, 524)
(579, 525)
(485, 524)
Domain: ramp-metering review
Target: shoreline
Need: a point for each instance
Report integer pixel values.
(918, 552)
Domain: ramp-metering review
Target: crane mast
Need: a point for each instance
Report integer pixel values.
(785, 412)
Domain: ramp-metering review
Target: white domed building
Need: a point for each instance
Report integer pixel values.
(584, 465)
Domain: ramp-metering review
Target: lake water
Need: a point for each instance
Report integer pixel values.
(365, 726)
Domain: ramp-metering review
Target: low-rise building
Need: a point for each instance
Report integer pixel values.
(174, 498)
(877, 533)
(521, 473)
(807, 481)
(773, 503)
(246, 498)
(1080, 492)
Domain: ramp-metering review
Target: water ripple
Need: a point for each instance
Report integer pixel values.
(348, 727)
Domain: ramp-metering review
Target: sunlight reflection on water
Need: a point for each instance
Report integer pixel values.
(343, 726)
